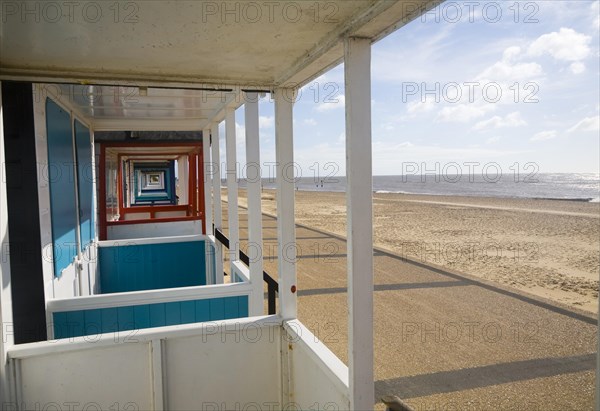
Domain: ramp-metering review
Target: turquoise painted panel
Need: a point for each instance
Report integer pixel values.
(157, 315)
(242, 306)
(202, 310)
(173, 313)
(125, 318)
(93, 322)
(231, 308)
(85, 181)
(188, 312)
(141, 316)
(62, 186)
(76, 322)
(60, 325)
(151, 266)
(108, 320)
(217, 308)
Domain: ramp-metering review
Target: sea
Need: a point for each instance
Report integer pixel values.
(583, 187)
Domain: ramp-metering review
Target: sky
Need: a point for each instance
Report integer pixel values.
(470, 85)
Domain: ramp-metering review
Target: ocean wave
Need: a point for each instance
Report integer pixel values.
(392, 192)
(595, 200)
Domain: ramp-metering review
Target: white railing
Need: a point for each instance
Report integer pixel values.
(177, 367)
(182, 367)
(148, 297)
(211, 259)
(218, 259)
(151, 240)
(240, 273)
(317, 375)
(155, 228)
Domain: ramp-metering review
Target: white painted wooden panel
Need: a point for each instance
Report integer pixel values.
(170, 214)
(232, 368)
(66, 285)
(89, 272)
(41, 152)
(151, 240)
(6, 319)
(318, 379)
(182, 175)
(148, 297)
(105, 376)
(121, 232)
(136, 216)
(232, 364)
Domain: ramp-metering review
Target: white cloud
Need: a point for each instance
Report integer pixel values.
(309, 122)
(266, 121)
(333, 103)
(544, 135)
(511, 53)
(566, 45)
(462, 113)
(240, 134)
(577, 67)
(508, 70)
(587, 124)
(420, 106)
(492, 140)
(511, 120)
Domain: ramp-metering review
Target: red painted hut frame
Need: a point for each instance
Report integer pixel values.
(195, 209)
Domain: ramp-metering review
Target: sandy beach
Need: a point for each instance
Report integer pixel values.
(548, 248)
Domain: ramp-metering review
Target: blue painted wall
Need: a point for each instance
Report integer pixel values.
(85, 182)
(151, 266)
(149, 196)
(107, 320)
(62, 186)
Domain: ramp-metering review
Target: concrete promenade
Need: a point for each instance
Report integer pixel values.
(445, 340)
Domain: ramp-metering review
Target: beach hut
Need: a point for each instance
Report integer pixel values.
(113, 293)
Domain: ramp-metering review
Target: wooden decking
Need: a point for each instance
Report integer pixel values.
(445, 340)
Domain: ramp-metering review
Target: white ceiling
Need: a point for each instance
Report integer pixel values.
(178, 44)
(190, 42)
(113, 108)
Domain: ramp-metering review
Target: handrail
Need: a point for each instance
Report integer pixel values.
(133, 298)
(272, 284)
(144, 335)
(153, 220)
(155, 208)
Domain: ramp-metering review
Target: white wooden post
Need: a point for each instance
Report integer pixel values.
(79, 258)
(254, 184)
(218, 212)
(357, 63)
(94, 279)
(208, 212)
(6, 320)
(232, 189)
(286, 229)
